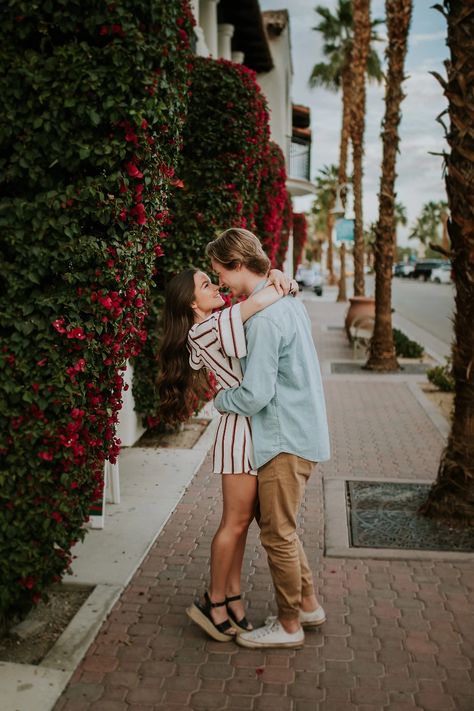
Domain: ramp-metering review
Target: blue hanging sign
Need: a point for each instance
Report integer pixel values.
(345, 230)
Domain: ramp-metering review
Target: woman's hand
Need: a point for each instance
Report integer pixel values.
(282, 283)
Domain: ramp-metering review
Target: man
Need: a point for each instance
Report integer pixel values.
(282, 392)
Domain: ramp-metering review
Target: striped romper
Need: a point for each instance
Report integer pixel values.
(217, 344)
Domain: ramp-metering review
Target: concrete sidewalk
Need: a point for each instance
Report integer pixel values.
(399, 635)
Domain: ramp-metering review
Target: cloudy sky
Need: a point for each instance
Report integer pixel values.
(419, 173)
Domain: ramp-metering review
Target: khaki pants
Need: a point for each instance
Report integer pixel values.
(281, 485)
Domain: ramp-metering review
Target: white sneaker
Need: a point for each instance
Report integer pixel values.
(271, 635)
(314, 618)
(307, 619)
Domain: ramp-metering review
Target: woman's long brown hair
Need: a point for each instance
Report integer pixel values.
(177, 382)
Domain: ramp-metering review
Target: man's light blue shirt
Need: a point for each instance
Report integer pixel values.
(282, 389)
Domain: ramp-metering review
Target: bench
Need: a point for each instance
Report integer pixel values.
(361, 331)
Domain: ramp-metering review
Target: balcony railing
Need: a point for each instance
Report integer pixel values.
(300, 159)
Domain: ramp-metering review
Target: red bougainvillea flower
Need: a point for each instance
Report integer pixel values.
(133, 171)
(59, 325)
(56, 516)
(104, 30)
(47, 456)
(76, 333)
(158, 251)
(28, 582)
(177, 183)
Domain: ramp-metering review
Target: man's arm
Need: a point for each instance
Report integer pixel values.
(258, 385)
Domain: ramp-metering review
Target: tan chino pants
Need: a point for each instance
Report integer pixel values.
(281, 486)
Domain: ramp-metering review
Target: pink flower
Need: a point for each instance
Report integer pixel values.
(106, 302)
(59, 325)
(133, 171)
(28, 583)
(47, 456)
(76, 333)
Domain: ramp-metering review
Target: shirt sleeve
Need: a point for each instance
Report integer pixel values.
(258, 385)
(224, 330)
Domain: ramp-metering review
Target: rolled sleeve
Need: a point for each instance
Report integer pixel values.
(230, 332)
(224, 330)
(259, 382)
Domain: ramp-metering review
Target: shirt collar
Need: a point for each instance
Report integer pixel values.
(261, 285)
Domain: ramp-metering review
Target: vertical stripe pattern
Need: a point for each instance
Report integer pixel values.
(217, 344)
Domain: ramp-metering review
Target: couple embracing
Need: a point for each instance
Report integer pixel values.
(272, 429)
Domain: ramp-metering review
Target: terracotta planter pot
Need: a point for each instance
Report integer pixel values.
(359, 306)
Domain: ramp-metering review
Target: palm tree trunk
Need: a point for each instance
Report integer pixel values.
(342, 295)
(382, 355)
(329, 256)
(346, 124)
(362, 30)
(452, 496)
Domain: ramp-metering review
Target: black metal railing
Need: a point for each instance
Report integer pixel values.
(300, 159)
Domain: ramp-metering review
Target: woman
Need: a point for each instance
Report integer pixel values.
(195, 338)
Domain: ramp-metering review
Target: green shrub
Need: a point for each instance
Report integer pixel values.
(229, 175)
(93, 101)
(442, 377)
(406, 348)
(271, 204)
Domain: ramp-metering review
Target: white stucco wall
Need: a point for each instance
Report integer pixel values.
(276, 86)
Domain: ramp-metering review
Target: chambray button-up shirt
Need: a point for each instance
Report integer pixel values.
(282, 388)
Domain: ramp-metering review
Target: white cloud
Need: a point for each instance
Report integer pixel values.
(420, 38)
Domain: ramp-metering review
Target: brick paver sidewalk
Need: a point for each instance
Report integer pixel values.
(399, 635)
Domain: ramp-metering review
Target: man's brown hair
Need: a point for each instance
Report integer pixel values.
(238, 246)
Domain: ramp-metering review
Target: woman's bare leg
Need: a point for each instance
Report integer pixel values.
(227, 549)
(234, 578)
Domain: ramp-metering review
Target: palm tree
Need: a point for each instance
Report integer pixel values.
(326, 190)
(452, 496)
(400, 219)
(382, 350)
(426, 229)
(337, 31)
(363, 35)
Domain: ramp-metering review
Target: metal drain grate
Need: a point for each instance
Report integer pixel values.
(384, 515)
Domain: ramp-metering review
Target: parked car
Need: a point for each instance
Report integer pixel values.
(403, 269)
(442, 274)
(424, 267)
(311, 277)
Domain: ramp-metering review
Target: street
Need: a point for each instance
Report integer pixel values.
(429, 306)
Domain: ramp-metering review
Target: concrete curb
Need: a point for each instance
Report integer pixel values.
(336, 528)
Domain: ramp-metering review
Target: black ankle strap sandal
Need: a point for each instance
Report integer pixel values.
(200, 613)
(243, 624)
